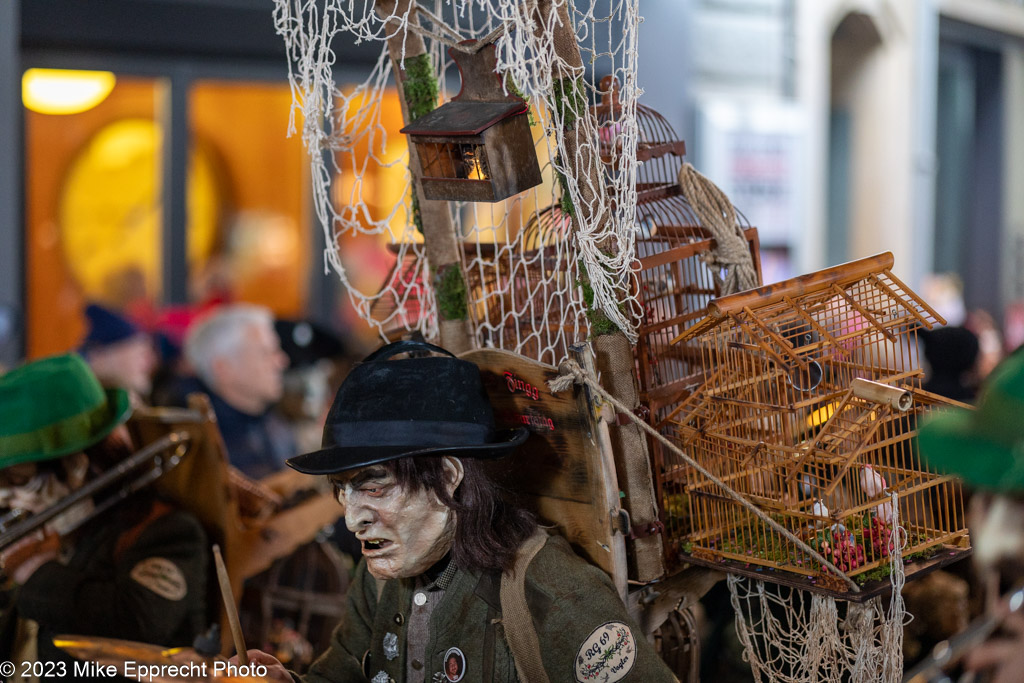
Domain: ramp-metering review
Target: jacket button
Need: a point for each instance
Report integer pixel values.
(399, 619)
(417, 664)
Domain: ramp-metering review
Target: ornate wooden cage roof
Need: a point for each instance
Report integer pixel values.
(808, 408)
(675, 283)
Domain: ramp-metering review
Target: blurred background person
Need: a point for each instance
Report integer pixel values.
(983, 448)
(138, 571)
(118, 351)
(990, 341)
(952, 354)
(318, 359)
(237, 359)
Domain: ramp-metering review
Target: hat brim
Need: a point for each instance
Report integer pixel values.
(952, 442)
(119, 406)
(336, 459)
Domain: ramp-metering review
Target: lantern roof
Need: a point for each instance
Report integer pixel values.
(464, 117)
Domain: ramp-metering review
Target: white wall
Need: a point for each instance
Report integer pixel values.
(886, 149)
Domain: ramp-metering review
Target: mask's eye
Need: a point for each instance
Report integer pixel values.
(373, 491)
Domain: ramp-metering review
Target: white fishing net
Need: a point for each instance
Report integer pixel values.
(520, 258)
(794, 636)
(523, 258)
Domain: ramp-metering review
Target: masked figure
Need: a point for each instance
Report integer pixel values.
(137, 571)
(402, 445)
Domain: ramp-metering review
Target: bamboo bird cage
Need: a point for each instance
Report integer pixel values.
(808, 407)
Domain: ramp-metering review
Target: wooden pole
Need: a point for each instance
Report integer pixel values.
(442, 244)
(614, 356)
(581, 159)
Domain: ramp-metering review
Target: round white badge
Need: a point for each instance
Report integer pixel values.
(454, 665)
(607, 655)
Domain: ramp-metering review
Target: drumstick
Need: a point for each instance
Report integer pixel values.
(229, 606)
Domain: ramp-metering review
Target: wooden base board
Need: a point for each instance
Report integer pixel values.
(913, 569)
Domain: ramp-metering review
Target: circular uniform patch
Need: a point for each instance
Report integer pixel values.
(161, 576)
(607, 655)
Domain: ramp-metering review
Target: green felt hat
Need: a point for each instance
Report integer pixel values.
(54, 407)
(985, 447)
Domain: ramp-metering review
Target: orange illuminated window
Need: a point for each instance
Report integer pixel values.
(93, 213)
(262, 253)
(94, 204)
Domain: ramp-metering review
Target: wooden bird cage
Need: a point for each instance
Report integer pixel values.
(675, 284)
(477, 147)
(516, 292)
(808, 408)
(402, 299)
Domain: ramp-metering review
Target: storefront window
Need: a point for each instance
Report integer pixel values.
(93, 210)
(94, 201)
(261, 249)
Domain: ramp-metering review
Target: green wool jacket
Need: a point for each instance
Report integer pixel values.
(584, 631)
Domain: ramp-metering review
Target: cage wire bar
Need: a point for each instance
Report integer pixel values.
(798, 412)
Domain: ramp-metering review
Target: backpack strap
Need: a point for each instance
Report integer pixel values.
(518, 624)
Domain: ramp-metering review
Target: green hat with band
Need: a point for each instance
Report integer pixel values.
(54, 407)
(985, 447)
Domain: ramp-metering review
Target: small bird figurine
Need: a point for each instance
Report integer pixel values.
(871, 482)
(883, 511)
(808, 484)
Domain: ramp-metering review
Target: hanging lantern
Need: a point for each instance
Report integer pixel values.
(478, 146)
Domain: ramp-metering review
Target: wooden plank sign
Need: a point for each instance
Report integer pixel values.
(564, 472)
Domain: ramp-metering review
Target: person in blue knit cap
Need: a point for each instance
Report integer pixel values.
(119, 353)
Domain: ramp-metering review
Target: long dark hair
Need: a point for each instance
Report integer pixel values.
(488, 530)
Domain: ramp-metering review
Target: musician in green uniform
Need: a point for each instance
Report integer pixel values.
(137, 571)
(435, 597)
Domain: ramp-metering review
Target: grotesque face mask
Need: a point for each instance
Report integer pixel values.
(403, 532)
(27, 488)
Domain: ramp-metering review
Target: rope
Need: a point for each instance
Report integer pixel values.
(571, 373)
(717, 214)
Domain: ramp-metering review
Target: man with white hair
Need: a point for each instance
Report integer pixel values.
(237, 357)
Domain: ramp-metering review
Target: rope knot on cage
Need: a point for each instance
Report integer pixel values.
(569, 373)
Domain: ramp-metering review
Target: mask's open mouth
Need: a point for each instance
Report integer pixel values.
(375, 543)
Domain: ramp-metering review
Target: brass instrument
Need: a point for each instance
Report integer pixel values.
(163, 454)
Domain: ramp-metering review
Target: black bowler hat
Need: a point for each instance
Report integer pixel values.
(389, 409)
